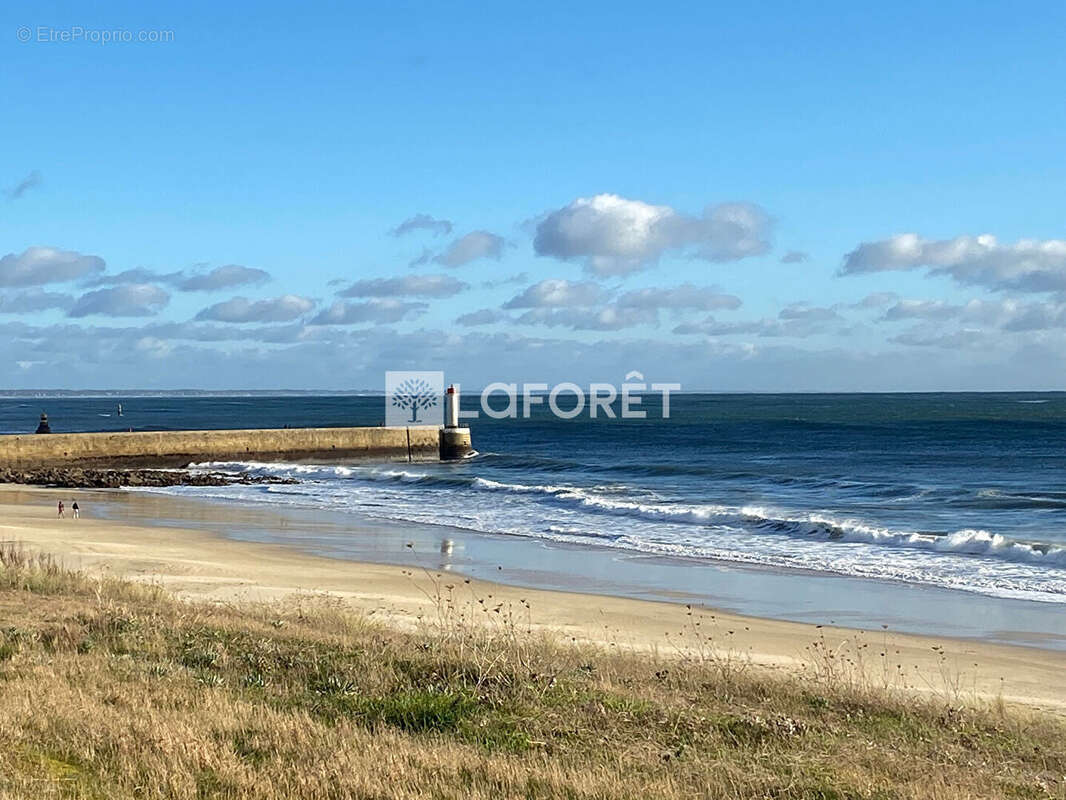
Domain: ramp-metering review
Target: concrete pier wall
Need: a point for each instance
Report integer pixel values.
(181, 448)
(455, 443)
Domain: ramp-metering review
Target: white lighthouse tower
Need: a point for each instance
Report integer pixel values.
(454, 440)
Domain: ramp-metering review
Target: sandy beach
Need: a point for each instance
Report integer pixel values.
(205, 566)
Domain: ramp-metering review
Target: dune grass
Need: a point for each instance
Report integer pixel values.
(110, 689)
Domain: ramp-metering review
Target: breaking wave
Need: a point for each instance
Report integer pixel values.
(618, 500)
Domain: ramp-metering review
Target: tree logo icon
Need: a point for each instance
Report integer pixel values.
(414, 398)
(414, 395)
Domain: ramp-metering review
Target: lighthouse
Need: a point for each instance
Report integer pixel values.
(454, 439)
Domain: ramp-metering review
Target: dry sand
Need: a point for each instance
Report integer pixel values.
(209, 567)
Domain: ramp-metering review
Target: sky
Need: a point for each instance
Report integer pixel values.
(734, 197)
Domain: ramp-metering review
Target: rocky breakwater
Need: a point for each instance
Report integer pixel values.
(74, 478)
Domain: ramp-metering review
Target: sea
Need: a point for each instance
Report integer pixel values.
(959, 492)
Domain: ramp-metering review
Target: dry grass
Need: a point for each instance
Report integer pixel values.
(110, 690)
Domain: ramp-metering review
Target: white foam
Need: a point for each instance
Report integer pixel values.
(970, 559)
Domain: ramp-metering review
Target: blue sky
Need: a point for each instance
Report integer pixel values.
(766, 160)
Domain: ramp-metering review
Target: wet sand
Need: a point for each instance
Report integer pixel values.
(117, 536)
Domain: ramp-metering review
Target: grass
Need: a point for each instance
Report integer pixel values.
(111, 689)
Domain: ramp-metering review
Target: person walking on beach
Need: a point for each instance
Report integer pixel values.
(76, 510)
(61, 509)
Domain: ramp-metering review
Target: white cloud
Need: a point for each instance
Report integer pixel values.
(807, 312)
(585, 305)
(276, 309)
(986, 312)
(153, 347)
(35, 300)
(131, 300)
(614, 235)
(712, 327)
(730, 231)
(410, 286)
(794, 257)
(518, 277)
(952, 340)
(685, 296)
(1037, 317)
(1007, 315)
(31, 181)
(484, 316)
(877, 300)
(37, 266)
(473, 246)
(135, 275)
(920, 309)
(423, 222)
(796, 320)
(225, 277)
(557, 292)
(375, 310)
(609, 318)
(1028, 265)
(421, 259)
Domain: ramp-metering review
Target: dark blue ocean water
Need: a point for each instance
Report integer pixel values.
(961, 491)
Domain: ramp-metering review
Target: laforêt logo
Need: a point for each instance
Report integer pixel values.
(417, 398)
(414, 398)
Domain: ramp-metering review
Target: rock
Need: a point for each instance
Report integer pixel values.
(75, 478)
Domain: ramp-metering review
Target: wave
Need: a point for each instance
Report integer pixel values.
(526, 464)
(618, 500)
(972, 542)
(1016, 501)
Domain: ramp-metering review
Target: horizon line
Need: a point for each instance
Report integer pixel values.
(22, 393)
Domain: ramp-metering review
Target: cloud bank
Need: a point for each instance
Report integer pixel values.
(1028, 265)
